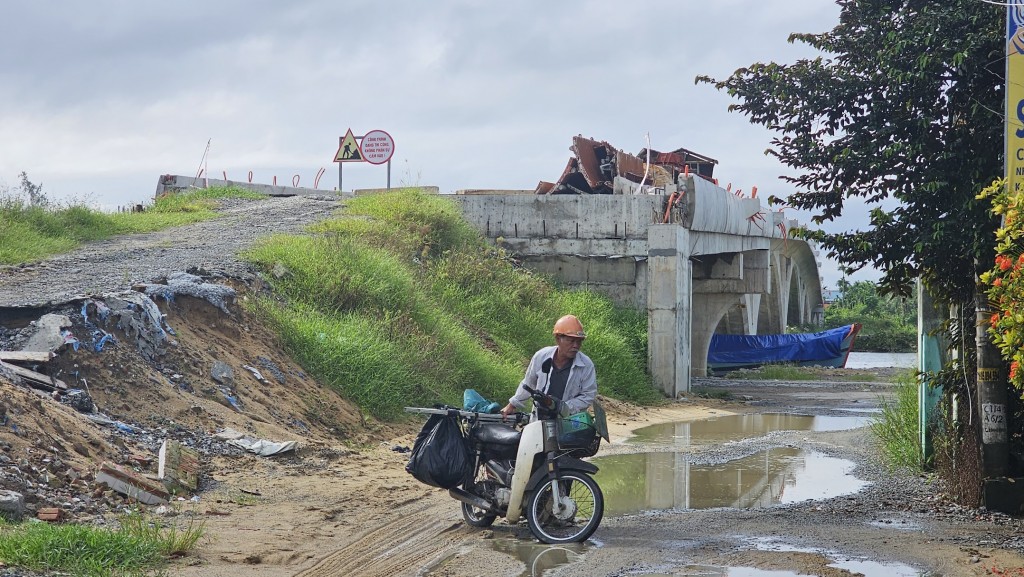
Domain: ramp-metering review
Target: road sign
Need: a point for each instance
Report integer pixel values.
(377, 147)
(348, 150)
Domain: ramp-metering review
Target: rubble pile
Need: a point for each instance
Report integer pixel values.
(108, 401)
(597, 167)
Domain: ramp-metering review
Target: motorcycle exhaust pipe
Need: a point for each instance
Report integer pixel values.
(468, 498)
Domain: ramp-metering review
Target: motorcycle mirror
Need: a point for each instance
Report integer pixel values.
(545, 367)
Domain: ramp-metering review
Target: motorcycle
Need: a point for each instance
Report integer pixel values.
(528, 467)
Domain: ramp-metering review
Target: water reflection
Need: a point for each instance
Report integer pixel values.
(538, 557)
(737, 427)
(656, 481)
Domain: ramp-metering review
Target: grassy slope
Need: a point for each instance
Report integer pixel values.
(397, 302)
(401, 302)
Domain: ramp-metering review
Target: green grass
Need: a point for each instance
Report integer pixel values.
(897, 428)
(399, 302)
(141, 544)
(33, 233)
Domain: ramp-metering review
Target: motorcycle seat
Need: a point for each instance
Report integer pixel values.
(497, 434)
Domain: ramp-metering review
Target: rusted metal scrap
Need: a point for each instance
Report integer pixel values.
(595, 165)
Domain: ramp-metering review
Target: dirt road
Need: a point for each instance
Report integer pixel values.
(361, 514)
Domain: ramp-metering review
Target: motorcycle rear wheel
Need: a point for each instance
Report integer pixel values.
(586, 503)
(477, 517)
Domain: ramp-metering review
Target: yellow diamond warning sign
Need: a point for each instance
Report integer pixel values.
(348, 150)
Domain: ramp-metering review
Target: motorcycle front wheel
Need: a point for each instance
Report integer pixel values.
(577, 519)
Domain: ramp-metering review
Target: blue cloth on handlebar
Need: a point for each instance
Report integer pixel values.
(473, 401)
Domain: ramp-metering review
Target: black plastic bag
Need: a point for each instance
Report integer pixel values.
(439, 455)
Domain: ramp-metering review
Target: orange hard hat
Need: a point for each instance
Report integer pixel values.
(569, 326)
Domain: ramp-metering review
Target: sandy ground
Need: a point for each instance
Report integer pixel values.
(359, 513)
(351, 513)
(344, 505)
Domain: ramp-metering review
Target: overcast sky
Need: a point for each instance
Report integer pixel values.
(99, 98)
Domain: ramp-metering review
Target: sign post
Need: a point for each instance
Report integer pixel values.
(375, 147)
(378, 147)
(348, 151)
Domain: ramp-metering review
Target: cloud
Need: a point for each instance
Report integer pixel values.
(102, 97)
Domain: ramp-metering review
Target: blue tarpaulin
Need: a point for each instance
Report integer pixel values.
(763, 349)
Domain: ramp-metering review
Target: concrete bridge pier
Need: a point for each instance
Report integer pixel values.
(669, 307)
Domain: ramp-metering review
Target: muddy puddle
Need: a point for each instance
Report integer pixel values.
(658, 481)
(738, 427)
(664, 478)
(855, 566)
(667, 479)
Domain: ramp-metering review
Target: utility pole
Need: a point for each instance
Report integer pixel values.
(995, 449)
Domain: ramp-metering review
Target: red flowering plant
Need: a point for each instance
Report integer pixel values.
(1006, 278)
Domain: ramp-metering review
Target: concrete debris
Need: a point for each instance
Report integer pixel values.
(178, 465)
(49, 335)
(26, 356)
(34, 379)
(255, 372)
(597, 167)
(222, 373)
(141, 320)
(78, 400)
(183, 283)
(132, 485)
(12, 505)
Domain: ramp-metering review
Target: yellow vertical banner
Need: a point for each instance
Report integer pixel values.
(1015, 95)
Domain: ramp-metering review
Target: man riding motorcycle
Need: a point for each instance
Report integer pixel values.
(561, 371)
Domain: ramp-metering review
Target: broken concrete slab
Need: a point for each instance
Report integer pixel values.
(132, 485)
(48, 336)
(178, 465)
(12, 505)
(34, 378)
(26, 356)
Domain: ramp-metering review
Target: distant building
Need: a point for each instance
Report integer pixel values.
(829, 296)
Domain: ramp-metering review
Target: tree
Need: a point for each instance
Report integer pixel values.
(889, 323)
(905, 104)
(904, 108)
(36, 196)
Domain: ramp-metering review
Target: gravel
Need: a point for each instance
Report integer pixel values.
(208, 248)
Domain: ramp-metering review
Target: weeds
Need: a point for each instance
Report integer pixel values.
(400, 301)
(897, 428)
(35, 230)
(140, 545)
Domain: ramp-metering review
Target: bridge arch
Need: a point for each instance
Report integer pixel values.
(697, 260)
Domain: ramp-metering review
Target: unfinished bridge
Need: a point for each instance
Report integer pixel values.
(653, 231)
(665, 237)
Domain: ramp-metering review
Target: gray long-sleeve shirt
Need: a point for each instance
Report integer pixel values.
(580, 389)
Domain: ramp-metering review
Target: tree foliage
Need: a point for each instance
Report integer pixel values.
(902, 111)
(1006, 279)
(889, 323)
